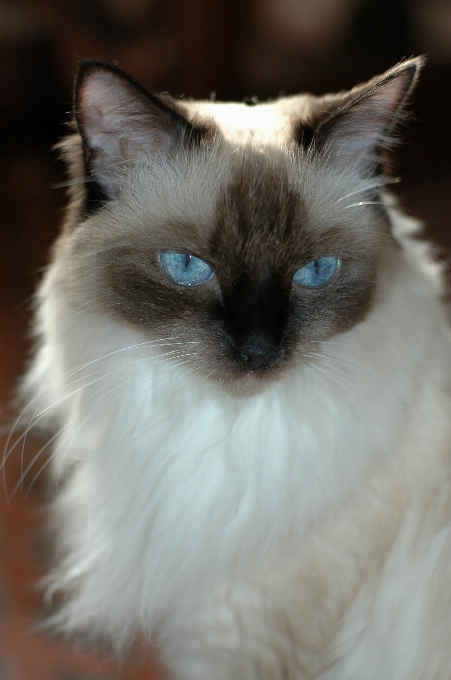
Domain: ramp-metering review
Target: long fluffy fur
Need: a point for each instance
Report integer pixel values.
(299, 532)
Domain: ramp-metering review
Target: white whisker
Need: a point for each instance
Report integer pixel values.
(162, 342)
(38, 415)
(360, 203)
(112, 391)
(373, 185)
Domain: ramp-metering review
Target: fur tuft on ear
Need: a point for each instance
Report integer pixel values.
(363, 120)
(119, 120)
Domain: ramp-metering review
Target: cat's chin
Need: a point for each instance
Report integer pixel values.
(249, 383)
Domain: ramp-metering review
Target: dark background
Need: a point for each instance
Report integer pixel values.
(237, 49)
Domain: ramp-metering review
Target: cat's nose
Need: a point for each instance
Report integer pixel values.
(254, 357)
(255, 324)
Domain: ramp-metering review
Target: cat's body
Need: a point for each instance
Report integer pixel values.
(258, 471)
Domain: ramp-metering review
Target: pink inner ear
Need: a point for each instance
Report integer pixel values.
(119, 124)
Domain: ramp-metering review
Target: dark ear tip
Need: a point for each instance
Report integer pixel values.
(406, 73)
(85, 67)
(88, 65)
(414, 62)
(412, 66)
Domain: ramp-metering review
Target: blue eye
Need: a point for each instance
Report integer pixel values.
(185, 269)
(316, 272)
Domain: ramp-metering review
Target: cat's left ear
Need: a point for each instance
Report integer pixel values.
(355, 127)
(119, 120)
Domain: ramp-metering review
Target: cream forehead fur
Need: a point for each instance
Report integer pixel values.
(299, 532)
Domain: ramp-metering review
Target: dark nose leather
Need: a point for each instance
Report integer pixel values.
(256, 318)
(255, 357)
(257, 335)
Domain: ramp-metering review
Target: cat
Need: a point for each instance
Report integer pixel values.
(243, 353)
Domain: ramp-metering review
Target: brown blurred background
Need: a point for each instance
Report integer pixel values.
(236, 49)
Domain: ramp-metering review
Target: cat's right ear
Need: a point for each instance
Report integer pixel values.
(358, 126)
(119, 120)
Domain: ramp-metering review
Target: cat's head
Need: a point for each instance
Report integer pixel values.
(249, 233)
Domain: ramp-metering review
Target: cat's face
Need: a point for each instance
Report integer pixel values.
(250, 242)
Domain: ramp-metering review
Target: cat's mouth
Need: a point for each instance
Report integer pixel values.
(254, 381)
(256, 366)
(246, 383)
(247, 379)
